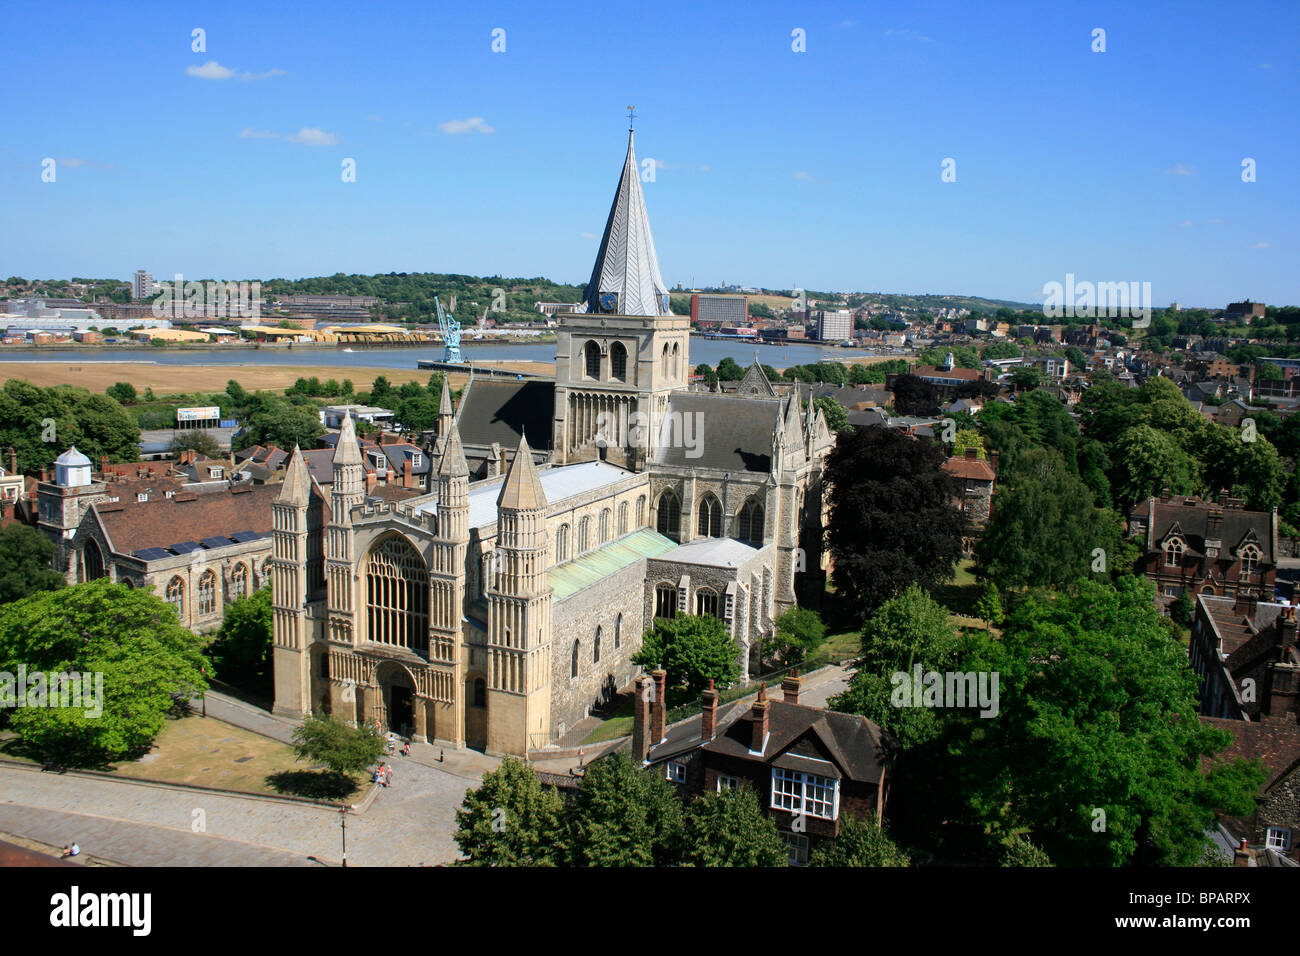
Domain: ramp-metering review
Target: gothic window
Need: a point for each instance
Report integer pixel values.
(562, 544)
(94, 561)
(750, 521)
(618, 361)
(176, 596)
(670, 515)
(710, 519)
(677, 361)
(239, 582)
(1249, 559)
(397, 595)
(573, 666)
(1173, 553)
(618, 632)
(584, 535)
(640, 512)
(666, 600)
(706, 603)
(622, 519)
(595, 648)
(207, 594)
(591, 354)
(666, 362)
(605, 519)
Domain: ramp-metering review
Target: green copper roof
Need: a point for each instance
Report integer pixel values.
(572, 576)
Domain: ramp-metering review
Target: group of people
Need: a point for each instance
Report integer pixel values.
(384, 775)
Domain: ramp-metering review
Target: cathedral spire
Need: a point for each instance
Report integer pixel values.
(453, 455)
(522, 489)
(296, 487)
(625, 279)
(347, 451)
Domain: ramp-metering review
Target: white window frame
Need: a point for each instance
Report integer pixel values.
(675, 771)
(141, 496)
(794, 796)
(1278, 838)
(796, 845)
(727, 782)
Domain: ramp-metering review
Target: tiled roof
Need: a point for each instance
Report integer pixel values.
(1274, 741)
(973, 468)
(157, 524)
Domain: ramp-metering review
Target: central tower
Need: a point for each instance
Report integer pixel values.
(617, 360)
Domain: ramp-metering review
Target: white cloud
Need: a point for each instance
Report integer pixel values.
(589, 235)
(474, 124)
(1258, 245)
(1180, 169)
(803, 177)
(212, 70)
(250, 133)
(312, 136)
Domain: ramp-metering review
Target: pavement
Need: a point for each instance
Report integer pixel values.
(136, 823)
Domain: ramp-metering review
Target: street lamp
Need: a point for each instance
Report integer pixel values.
(343, 819)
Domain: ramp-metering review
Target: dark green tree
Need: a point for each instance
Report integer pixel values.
(692, 649)
(625, 815)
(242, 647)
(510, 819)
(122, 392)
(892, 520)
(731, 829)
(344, 750)
(860, 842)
(837, 419)
(25, 557)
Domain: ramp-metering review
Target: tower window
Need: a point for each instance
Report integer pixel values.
(618, 361)
(591, 355)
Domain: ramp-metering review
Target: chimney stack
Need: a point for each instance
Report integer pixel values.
(972, 452)
(641, 719)
(758, 721)
(406, 473)
(1242, 856)
(709, 716)
(657, 706)
(790, 685)
(1213, 523)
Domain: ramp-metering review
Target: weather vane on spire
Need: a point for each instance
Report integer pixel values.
(630, 116)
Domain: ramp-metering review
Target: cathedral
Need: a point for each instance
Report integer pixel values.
(562, 518)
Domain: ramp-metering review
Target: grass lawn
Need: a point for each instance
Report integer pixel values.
(619, 725)
(207, 752)
(961, 594)
(836, 649)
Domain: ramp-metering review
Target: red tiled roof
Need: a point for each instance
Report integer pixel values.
(1274, 741)
(157, 524)
(972, 468)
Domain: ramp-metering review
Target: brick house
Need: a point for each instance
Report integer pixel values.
(1206, 547)
(1246, 657)
(978, 477)
(807, 765)
(1274, 827)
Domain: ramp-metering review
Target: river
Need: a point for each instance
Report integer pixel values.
(711, 351)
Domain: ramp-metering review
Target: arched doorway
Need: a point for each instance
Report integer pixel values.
(94, 561)
(397, 695)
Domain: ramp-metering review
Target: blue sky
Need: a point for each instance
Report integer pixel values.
(819, 169)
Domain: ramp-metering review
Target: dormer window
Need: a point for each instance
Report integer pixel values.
(1249, 559)
(415, 460)
(1173, 553)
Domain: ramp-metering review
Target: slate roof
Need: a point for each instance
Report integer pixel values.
(158, 524)
(727, 432)
(1193, 521)
(501, 412)
(855, 745)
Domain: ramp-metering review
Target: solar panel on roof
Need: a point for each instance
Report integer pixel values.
(152, 554)
(215, 542)
(185, 547)
(242, 536)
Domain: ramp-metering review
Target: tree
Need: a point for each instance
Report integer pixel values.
(1098, 750)
(344, 750)
(380, 389)
(968, 438)
(148, 662)
(989, 605)
(25, 557)
(40, 423)
(837, 419)
(1147, 462)
(860, 842)
(1045, 529)
(198, 440)
(283, 425)
(511, 820)
(799, 631)
(122, 392)
(907, 630)
(625, 815)
(1181, 610)
(729, 371)
(892, 519)
(1001, 350)
(1026, 378)
(692, 649)
(706, 370)
(915, 396)
(1020, 852)
(242, 647)
(731, 829)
